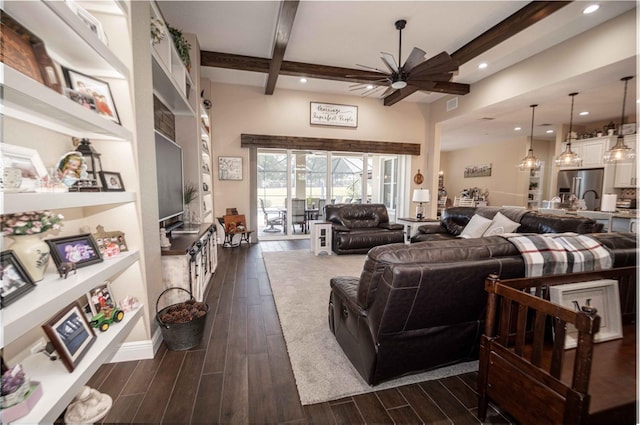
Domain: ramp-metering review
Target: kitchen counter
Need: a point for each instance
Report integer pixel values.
(618, 221)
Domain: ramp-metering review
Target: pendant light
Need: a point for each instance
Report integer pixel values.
(530, 162)
(621, 152)
(569, 158)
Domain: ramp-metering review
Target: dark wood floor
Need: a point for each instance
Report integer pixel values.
(241, 372)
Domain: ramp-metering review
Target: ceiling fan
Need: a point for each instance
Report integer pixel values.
(417, 73)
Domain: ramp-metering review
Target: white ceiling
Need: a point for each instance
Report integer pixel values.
(346, 33)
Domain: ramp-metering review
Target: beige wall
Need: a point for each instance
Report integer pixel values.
(242, 109)
(507, 185)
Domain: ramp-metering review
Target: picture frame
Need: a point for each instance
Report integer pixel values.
(602, 294)
(483, 170)
(101, 298)
(27, 160)
(14, 279)
(80, 98)
(98, 89)
(233, 222)
(110, 244)
(92, 23)
(111, 181)
(71, 335)
(333, 114)
(230, 168)
(26, 53)
(81, 250)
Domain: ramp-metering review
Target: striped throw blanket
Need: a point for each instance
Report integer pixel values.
(560, 253)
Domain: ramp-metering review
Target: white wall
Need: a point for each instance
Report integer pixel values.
(243, 109)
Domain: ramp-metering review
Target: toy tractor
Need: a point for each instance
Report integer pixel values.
(106, 317)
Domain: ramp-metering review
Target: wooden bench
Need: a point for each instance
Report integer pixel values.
(536, 380)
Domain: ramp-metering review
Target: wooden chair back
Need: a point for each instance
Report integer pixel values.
(515, 372)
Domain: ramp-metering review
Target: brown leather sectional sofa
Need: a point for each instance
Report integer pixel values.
(359, 227)
(422, 306)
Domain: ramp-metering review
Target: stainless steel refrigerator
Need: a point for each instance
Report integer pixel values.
(585, 184)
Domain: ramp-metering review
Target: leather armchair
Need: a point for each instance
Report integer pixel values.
(356, 228)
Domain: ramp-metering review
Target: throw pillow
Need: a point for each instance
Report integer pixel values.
(476, 227)
(500, 225)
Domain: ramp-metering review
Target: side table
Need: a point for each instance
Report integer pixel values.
(411, 225)
(320, 237)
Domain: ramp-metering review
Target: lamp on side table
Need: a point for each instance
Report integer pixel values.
(420, 196)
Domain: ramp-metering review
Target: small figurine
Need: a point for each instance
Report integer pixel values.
(65, 268)
(71, 168)
(164, 240)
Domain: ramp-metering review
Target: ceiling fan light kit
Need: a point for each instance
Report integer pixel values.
(530, 162)
(621, 152)
(569, 158)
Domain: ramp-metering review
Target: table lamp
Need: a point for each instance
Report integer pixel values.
(420, 196)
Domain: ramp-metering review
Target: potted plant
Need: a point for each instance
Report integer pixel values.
(190, 194)
(182, 46)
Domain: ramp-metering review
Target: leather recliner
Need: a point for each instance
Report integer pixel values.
(356, 228)
(422, 306)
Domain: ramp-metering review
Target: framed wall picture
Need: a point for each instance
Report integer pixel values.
(333, 114)
(14, 279)
(26, 53)
(483, 170)
(111, 181)
(110, 244)
(98, 89)
(70, 334)
(230, 168)
(601, 294)
(81, 250)
(27, 160)
(101, 298)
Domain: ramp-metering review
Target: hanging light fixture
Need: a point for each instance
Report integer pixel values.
(530, 162)
(569, 158)
(621, 152)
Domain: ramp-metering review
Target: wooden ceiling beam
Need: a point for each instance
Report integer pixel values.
(286, 16)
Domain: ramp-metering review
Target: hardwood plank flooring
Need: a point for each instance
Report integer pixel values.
(241, 372)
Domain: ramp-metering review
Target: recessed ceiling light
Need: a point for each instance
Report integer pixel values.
(583, 113)
(483, 65)
(517, 128)
(549, 131)
(369, 87)
(303, 80)
(590, 9)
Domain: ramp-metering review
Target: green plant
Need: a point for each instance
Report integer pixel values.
(190, 193)
(182, 45)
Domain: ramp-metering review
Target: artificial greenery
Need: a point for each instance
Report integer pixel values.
(182, 45)
(190, 193)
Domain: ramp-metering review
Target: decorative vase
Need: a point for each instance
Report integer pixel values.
(186, 216)
(33, 252)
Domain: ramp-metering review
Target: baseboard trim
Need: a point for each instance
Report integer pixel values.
(138, 350)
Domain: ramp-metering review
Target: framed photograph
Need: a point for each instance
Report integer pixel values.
(601, 294)
(14, 279)
(92, 23)
(27, 160)
(629, 128)
(81, 250)
(230, 168)
(70, 334)
(24, 52)
(81, 98)
(98, 89)
(110, 244)
(483, 170)
(111, 182)
(332, 114)
(101, 298)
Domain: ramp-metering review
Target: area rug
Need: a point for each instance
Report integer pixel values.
(300, 285)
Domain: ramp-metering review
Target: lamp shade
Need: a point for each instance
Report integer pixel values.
(421, 195)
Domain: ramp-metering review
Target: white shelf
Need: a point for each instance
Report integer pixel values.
(28, 100)
(18, 202)
(59, 387)
(53, 293)
(60, 28)
(167, 89)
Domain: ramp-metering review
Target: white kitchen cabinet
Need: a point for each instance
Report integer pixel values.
(37, 117)
(625, 171)
(592, 151)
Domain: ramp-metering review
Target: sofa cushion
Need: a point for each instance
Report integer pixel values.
(476, 227)
(501, 225)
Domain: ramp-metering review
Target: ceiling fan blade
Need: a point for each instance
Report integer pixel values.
(389, 90)
(440, 63)
(430, 77)
(415, 57)
(372, 68)
(389, 61)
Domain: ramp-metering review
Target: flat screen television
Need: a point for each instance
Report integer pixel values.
(170, 177)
